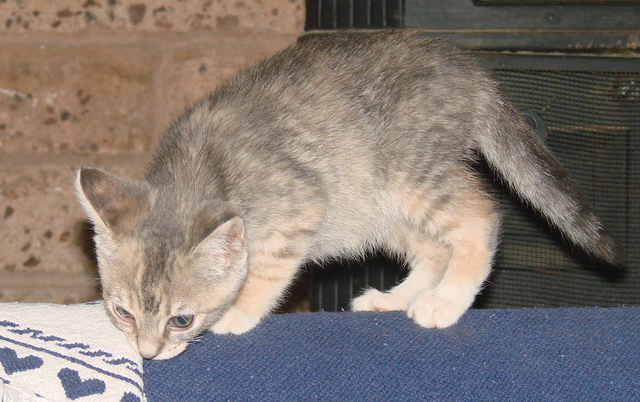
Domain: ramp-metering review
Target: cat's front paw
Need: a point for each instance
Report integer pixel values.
(235, 321)
(436, 310)
(375, 300)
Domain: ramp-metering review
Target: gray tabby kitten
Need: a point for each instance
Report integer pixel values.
(337, 145)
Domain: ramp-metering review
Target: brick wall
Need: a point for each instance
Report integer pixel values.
(95, 82)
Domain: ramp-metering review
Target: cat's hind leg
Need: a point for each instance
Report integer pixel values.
(427, 259)
(450, 255)
(472, 236)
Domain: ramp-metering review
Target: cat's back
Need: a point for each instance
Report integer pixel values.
(350, 89)
(325, 69)
(337, 108)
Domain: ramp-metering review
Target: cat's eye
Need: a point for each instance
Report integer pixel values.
(124, 314)
(181, 321)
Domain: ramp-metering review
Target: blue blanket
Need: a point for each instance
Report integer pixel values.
(568, 354)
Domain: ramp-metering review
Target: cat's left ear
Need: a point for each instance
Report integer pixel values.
(217, 234)
(225, 247)
(114, 205)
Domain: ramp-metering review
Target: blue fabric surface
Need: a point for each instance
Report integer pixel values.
(568, 354)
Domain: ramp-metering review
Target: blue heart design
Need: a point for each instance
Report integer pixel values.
(129, 397)
(13, 364)
(75, 388)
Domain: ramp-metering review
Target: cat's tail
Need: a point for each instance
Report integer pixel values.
(515, 152)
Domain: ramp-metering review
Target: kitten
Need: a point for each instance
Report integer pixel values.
(337, 145)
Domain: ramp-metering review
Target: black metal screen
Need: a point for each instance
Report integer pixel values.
(341, 14)
(593, 124)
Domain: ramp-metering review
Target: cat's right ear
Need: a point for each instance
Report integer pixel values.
(114, 205)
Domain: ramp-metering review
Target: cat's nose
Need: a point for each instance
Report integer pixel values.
(149, 355)
(149, 348)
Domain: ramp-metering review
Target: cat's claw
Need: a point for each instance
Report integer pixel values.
(375, 300)
(235, 321)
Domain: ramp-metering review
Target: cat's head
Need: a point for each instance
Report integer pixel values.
(168, 270)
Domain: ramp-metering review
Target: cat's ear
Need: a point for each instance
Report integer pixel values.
(114, 205)
(217, 234)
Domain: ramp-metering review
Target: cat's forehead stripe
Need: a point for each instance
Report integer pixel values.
(150, 302)
(155, 274)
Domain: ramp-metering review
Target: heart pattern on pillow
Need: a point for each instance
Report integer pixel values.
(72, 353)
(75, 388)
(12, 363)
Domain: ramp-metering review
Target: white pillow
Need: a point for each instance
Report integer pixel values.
(57, 352)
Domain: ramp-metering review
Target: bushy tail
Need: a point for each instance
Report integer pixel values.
(513, 150)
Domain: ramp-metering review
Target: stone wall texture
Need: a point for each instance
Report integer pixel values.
(95, 83)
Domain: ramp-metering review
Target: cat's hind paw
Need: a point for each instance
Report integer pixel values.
(375, 300)
(432, 310)
(235, 321)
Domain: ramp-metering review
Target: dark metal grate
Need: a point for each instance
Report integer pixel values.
(593, 123)
(336, 283)
(346, 14)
